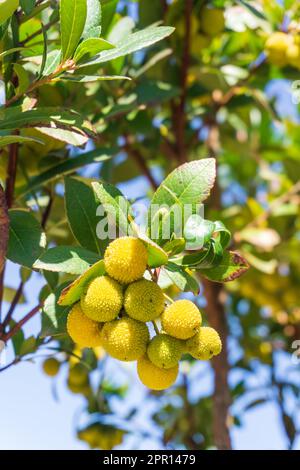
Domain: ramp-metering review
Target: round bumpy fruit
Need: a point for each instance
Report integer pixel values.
(154, 377)
(205, 344)
(102, 300)
(51, 366)
(83, 331)
(182, 319)
(293, 55)
(125, 259)
(165, 351)
(276, 48)
(144, 300)
(125, 339)
(212, 21)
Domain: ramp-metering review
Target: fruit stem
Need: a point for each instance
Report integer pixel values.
(155, 327)
(169, 298)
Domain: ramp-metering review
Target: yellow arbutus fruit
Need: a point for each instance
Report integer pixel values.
(155, 377)
(83, 331)
(102, 299)
(165, 351)
(144, 300)
(51, 366)
(276, 48)
(125, 259)
(205, 344)
(125, 339)
(212, 21)
(182, 319)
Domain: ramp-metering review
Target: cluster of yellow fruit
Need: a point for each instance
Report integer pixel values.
(115, 308)
(283, 49)
(211, 23)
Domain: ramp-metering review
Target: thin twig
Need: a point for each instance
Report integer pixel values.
(22, 322)
(13, 305)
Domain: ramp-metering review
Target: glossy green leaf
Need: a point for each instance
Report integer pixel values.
(73, 291)
(67, 166)
(54, 316)
(81, 207)
(134, 42)
(26, 238)
(232, 266)
(182, 278)
(72, 22)
(90, 47)
(66, 259)
(7, 8)
(92, 28)
(12, 139)
(27, 6)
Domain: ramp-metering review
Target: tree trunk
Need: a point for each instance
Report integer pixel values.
(221, 398)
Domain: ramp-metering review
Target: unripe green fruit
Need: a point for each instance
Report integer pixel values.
(7, 8)
(144, 300)
(165, 351)
(182, 319)
(102, 300)
(276, 48)
(51, 366)
(205, 344)
(154, 377)
(125, 339)
(212, 21)
(126, 259)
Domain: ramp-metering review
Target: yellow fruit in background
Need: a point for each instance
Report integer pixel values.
(126, 259)
(182, 319)
(212, 21)
(181, 28)
(83, 331)
(144, 300)
(125, 339)
(276, 48)
(154, 377)
(165, 351)
(205, 344)
(102, 299)
(199, 42)
(293, 55)
(101, 436)
(51, 366)
(78, 374)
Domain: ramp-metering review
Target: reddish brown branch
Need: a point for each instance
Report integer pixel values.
(139, 159)
(22, 322)
(13, 305)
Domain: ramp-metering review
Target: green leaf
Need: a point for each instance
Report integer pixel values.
(52, 62)
(66, 259)
(9, 294)
(252, 9)
(67, 166)
(181, 278)
(54, 316)
(10, 51)
(12, 139)
(16, 118)
(72, 20)
(23, 78)
(81, 208)
(26, 239)
(183, 189)
(8, 7)
(232, 266)
(17, 339)
(91, 78)
(72, 293)
(108, 8)
(92, 28)
(174, 246)
(90, 47)
(156, 255)
(27, 6)
(28, 346)
(117, 207)
(197, 232)
(134, 42)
